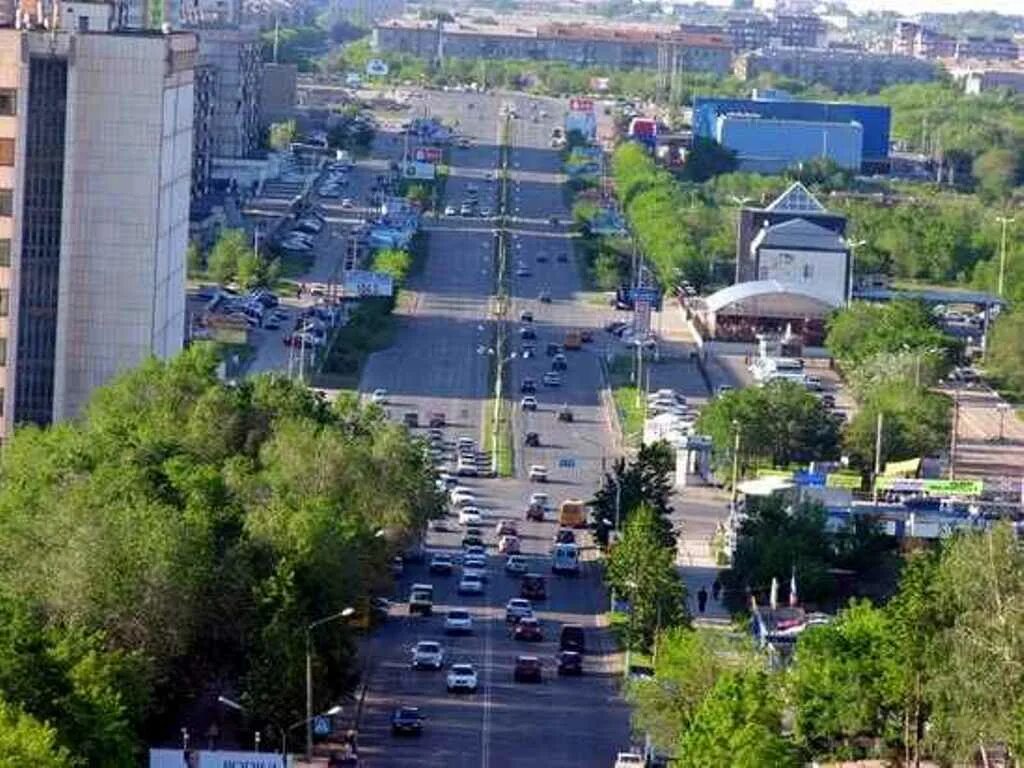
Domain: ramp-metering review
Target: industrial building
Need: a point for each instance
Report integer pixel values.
(619, 47)
(95, 169)
(873, 119)
(766, 145)
(842, 70)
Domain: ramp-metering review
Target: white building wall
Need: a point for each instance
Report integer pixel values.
(821, 272)
(126, 186)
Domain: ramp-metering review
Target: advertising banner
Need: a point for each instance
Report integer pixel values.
(177, 758)
(362, 283)
(934, 487)
(581, 105)
(427, 154)
(415, 170)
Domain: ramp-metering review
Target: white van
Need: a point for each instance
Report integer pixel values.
(565, 559)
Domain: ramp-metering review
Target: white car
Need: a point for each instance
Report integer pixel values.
(538, 473)
(379, 397)
(518, 608)
(462, 677)
(347, 203)
(629, 760)
(516, 564)
(474, 568)
(463, 499)
(458, 622)
(466, 468)
(428, 654)
(449, 210)
(508, 545)
(528, 403)
(470, 516)
(471, 585)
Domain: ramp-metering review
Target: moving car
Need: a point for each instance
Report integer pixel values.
(407, 720)
(629, 760)
(538, 473)
(441, 563)
(471, 584)
(570, 663)
(528, 403)
(552, 379)
(535, 512)
(565, 536)
(532, 440)
(565, 559)
(533, 587)
(470, 516)
(528, 387)
(528, 669)
(528, 629)
(526, 316)
(427, 654)
(506, 528)
(462, 497)
(379, 397)
(437, 420)
(516, 565)
(449, 210)
(472, 540)
(517, 608)
(508, 545)
(458, 622)
(462, 678)
(421, 599)
(571, 639)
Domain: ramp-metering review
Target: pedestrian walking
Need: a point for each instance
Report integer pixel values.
(702, 599)
(716, 589)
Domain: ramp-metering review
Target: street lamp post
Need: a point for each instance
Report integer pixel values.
(849, 277)
(342, 614)
(1004, 220)
(735, 464)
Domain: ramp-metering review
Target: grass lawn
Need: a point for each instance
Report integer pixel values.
(631, 414)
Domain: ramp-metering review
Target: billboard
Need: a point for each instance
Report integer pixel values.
(413, 169)
(933, 487)
(362, 283)
(192, 758)
(581, 105)
(427, 154)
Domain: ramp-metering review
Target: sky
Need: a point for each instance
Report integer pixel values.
(909, 7)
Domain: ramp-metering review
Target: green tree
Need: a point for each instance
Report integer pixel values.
(394, 262)
(644, 481)
(25, 741)
(844, 685)
(708, 159)
(194, 258)
(249, 270)
(739, 723)
(281, 135)
(864, 330)
(1006, 349)
(779, 424)
(998, 171)
(230, 248)
(642, 568)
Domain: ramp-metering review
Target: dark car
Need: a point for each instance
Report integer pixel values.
(528, 387)
(407, 720)
(616, 327)
(565, 414)
(527, 333)
(542, 258)
(526, 316)
(570, 663)
(437, 420)
(528, 630)
(527, 670)
(559, 365)
(565, 536)
(472, 541)
(553, 349)
(535, 512)
(586, 336)
(571, 639)
(533, 587)
(532, 440)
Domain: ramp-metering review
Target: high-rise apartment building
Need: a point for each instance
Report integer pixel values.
(235, 54)
(95, 167)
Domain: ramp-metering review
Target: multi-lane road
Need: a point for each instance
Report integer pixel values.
(441, 361)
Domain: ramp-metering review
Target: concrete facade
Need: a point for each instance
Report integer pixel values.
(841, 70)
(278, 92)
(621, 47)
(98, 221)
(983, 80)
(235, 56)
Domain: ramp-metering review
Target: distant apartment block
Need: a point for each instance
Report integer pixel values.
(205, 93)
(914, 39)
(235, 56)
(840, 69)
(621, 46)
(366, 12)
(750, 33)
(983, 80)
(95, 168)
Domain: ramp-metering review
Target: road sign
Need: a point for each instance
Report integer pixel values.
(321, 726)
(648, 293)
(566, 462)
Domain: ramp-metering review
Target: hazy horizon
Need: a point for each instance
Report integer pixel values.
(911, 7)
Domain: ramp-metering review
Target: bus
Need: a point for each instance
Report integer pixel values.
(572, 514)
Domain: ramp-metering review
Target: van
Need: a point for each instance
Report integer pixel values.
(572, 514)
(565, 559)
(421, 599)
(573, 340)
(571, 639)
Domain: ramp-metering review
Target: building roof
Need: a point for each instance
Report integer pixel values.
(799, 234)
(796, 199)
(756, 288)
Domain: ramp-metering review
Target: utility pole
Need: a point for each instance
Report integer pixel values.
(735, 465)
(1004, 220)
(878, 457)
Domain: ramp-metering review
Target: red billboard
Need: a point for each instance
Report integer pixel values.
(427, 155)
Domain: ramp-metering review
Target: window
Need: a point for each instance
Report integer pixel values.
(6, 151)
(3, 350)
(83, 23)
(6, 202)
(2, 393)
(8, 101)
(5, 302)
(5, 253)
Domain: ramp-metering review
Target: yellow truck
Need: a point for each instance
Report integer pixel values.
(572, 514)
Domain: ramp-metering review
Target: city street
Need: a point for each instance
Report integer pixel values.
(440, 362)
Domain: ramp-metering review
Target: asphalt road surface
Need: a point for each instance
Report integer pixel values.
(440, 362)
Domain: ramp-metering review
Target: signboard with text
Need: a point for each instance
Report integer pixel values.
(416, 170)
(934, 487)
(362, 283)
(427, 154)
(642, 318)
(178, 758)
